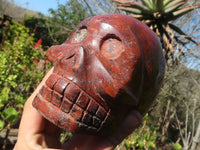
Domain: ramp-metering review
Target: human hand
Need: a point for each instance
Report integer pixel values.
(37, 133)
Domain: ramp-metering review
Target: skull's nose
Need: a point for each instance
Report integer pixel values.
(64, 52)
(54, 52)
(79, 62)
(80, 58)
(69, 62)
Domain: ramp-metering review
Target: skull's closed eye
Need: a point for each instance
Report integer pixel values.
(79, 35)
(111, 47)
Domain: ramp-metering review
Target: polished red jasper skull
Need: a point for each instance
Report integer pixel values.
(110, 65)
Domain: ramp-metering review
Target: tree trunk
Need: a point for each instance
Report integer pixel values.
(196, 138)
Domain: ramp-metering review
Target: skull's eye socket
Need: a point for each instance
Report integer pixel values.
(111, 47)
(79, 35)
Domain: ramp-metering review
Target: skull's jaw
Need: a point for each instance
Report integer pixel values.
(69, 107)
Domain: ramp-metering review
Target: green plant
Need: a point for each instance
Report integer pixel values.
(36, 24)
(158, 14)
(64, 19)
(143, 138)
(18, 76)
(176, 146)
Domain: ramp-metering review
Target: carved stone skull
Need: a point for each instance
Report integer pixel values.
(110, 65)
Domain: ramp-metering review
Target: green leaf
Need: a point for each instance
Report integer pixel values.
(173, 3)
(148, 4)
(183, 11)
(134, 5)
(146, 117)
(20, 105)
(166, 2)
(10, 115)
(128, 144)
(177, 146)
(174, 7)
(141, 143)
(4, 94)
(1, 125)
(153, 2)
(131, 10)
(11, 79)
(1, 105)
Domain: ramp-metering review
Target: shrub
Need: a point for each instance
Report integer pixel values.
(144, 138)
(18, 76)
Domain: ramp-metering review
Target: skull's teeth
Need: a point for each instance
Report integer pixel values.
(72, 100)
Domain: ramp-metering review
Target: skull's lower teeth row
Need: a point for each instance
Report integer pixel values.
(72, 100)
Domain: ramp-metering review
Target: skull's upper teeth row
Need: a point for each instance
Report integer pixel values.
(69, 98)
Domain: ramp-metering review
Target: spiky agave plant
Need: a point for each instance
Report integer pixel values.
(157, 14)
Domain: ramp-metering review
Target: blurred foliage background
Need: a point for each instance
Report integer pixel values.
(173, 123)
